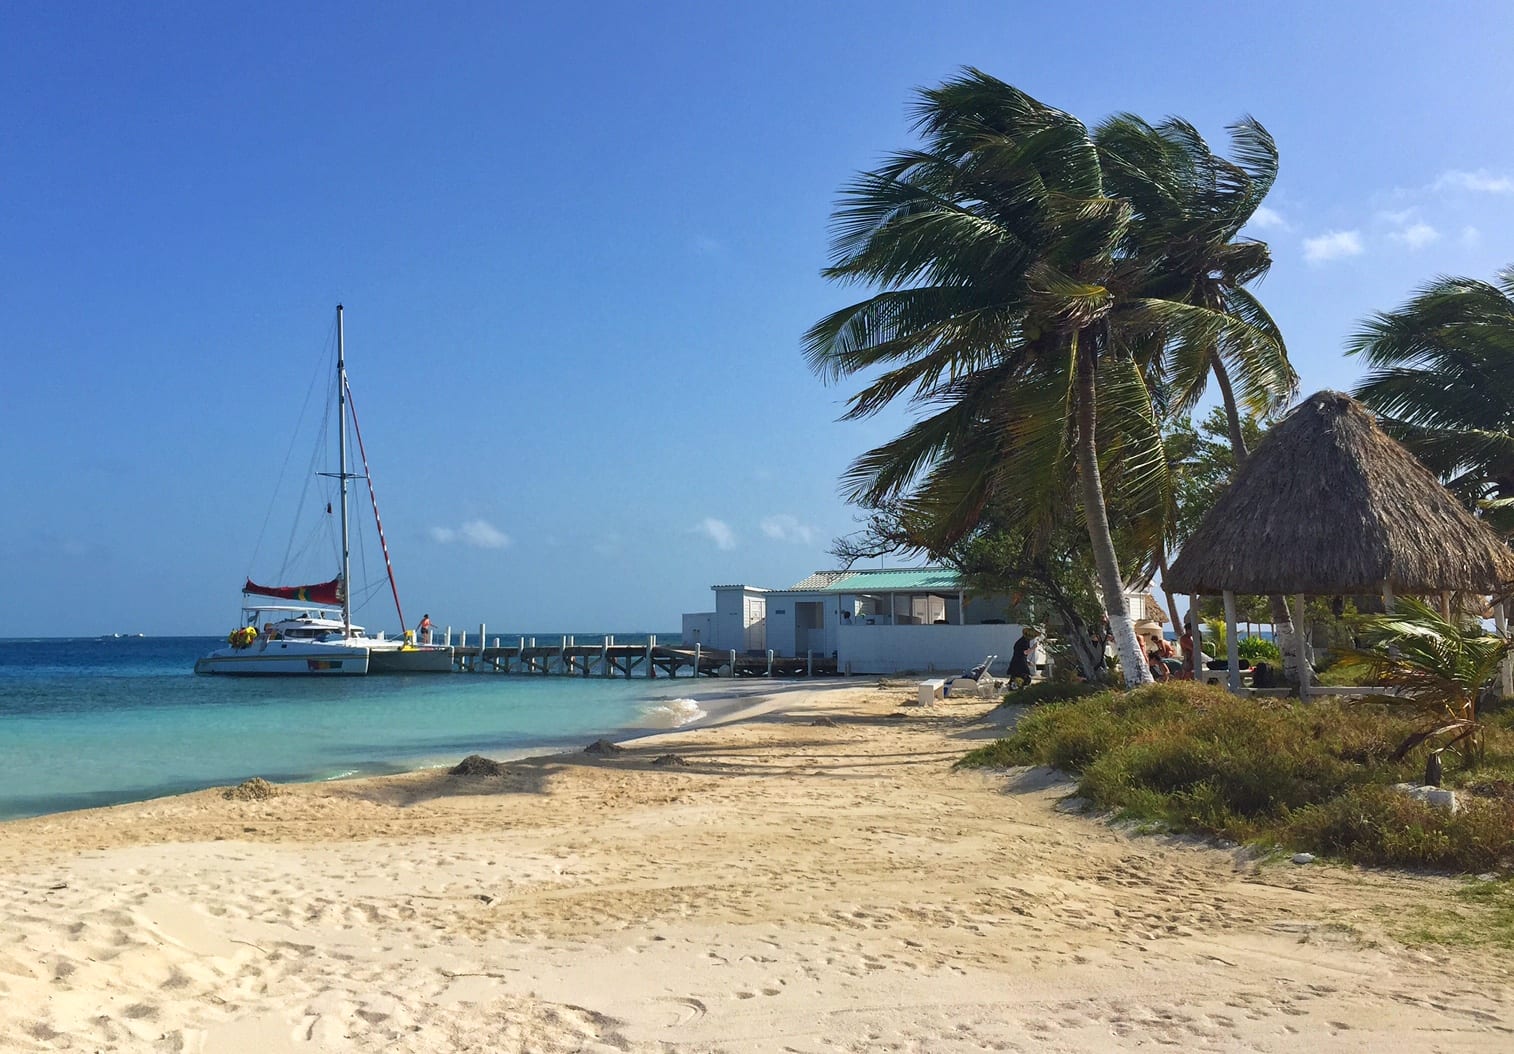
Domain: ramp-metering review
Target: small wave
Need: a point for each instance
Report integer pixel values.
(673, 713)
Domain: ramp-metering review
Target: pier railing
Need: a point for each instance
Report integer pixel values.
(566, 656)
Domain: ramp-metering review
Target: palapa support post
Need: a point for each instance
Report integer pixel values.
(1301, 641)
(1388, 597)
(1505, 668)
(1445, 604)
(1196, 637)
(1232, 645)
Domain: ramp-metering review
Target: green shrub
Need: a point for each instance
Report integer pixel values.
(1258, 649)
(1057, 691)
(1313, 777)
(1378, 825)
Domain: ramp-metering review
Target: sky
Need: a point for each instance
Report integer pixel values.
(578, 245)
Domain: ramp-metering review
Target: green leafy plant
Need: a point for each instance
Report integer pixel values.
(1434, 665)
(1258, 649)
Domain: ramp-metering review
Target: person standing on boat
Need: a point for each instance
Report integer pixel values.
(423, 631)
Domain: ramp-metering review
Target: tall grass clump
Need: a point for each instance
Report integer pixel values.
(1315, 777)
(1054, 691)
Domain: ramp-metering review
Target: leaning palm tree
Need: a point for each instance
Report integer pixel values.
(1011, 314)
(1190, 207)
(1441, 379)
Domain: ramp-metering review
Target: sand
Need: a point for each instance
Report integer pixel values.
(793, 887)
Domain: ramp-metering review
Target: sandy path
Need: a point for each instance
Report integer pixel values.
(793, 888)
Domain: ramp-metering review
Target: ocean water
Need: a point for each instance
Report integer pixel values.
(89, 722)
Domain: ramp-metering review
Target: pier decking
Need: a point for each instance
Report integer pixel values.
(605, 658)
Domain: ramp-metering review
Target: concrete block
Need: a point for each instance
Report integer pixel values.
(1440, 797)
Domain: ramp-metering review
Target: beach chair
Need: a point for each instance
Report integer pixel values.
(976, 679)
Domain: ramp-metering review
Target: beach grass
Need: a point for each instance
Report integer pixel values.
(1315, 778)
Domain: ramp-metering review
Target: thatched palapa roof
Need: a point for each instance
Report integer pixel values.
(1329, 504)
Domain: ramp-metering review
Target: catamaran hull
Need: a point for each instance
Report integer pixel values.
(422, 659)
(288, 662)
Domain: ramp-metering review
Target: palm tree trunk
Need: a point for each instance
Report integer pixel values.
(1111, 585)
(1232, 415)
(1172, 603)
(1282, 622)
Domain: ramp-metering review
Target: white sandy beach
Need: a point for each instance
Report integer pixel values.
(793, 888)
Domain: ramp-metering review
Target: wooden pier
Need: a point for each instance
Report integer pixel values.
(605, 658)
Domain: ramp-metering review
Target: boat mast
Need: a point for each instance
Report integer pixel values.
(341, 445)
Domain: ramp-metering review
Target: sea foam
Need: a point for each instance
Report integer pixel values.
(672, 713)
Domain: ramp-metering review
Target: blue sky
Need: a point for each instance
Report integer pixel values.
(578, 245)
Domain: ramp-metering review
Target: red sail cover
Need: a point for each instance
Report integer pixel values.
(323, 593)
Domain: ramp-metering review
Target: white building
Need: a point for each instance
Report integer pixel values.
(873, 622)
(737, 623)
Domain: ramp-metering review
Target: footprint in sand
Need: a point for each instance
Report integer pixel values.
(684, 1010)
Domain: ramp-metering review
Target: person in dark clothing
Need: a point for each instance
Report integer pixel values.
(1019, 666)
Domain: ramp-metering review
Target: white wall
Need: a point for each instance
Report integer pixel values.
(699, 628)
(949, 649)
(780, 624)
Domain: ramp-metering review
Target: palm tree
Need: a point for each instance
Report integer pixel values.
(1437, 666)
(1190, 207)
(1012, 314)
(1441, 379)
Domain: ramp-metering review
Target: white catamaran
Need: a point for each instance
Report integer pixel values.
(315, 636)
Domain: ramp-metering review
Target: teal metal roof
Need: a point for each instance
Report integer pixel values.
(904, 580)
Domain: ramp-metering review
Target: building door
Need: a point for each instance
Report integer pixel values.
(809, 626)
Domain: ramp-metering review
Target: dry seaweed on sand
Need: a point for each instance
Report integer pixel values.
(255, 789)
(477, 765)
(671, 759)
(605, 747)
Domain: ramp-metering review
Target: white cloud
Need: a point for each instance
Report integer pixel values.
(480, 534)
(1332, 245)
(1470, 236)
(483, 535)
(1416, 235)
(1481, 181)
(786, 528)
(1265, 217)
(718, 531)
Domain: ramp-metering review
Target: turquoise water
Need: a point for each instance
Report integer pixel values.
(95, 722)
